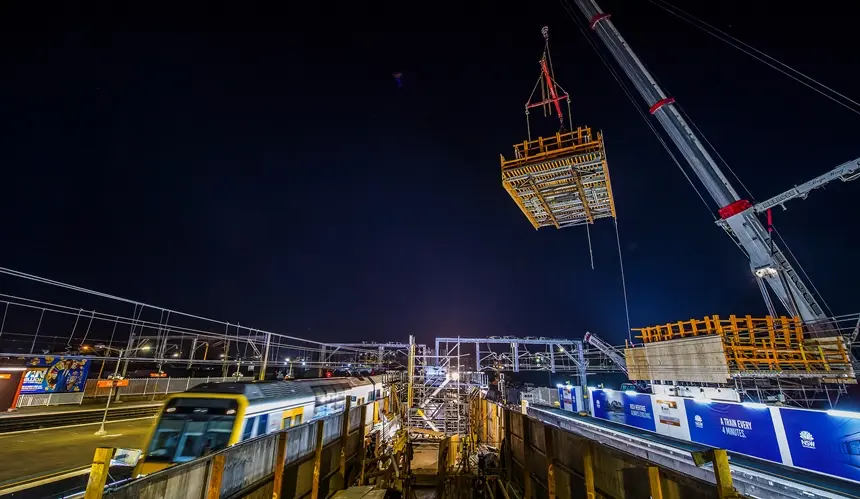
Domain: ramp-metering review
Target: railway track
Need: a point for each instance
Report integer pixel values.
(11, 424)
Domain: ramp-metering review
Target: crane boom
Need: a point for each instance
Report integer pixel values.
(738, 217)
(801, 191)
(608, 350)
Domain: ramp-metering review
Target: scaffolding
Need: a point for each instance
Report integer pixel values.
(438, 393)
(755, 347)
(780, 360)
(560, 181)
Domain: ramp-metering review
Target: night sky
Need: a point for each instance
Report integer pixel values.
(261, 165)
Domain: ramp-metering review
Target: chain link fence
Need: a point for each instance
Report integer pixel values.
(144, 387)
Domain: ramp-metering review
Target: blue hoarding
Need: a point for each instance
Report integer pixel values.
(825, 442)
(54, 375)
(632, 409)
(734, 427)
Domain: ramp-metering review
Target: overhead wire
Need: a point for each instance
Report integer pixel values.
(760, 56)
(796, 75)
(623, 282)
(136, 321)
(566, 6)
(722, 36)
(571, 12)
(43, 280)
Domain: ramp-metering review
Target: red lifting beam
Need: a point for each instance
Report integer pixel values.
(552, 93)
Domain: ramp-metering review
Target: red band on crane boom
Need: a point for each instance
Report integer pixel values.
(660, 103)
(597, 18)
(734, 208)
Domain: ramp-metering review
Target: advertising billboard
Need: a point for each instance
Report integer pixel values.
(670, 414)
(735, 427)
(823, 441)
(828, 442)
(54, 375)
(628, 408)
(570, 398)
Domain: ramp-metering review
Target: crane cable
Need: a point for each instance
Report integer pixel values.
(773, 63)
(566, 6)
(796, 75)
(660, 138)
(571, 12)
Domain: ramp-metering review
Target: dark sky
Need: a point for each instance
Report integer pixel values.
(260, 165)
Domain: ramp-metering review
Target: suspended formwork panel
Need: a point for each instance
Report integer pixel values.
(561, 180)
(755, 347)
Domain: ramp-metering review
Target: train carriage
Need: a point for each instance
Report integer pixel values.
(212, 416)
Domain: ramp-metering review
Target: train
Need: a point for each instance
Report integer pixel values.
(215, 415)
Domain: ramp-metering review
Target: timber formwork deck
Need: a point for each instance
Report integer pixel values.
(560, 181)
(756, 347)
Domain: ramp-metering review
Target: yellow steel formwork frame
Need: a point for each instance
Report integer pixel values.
(765, 344)
(560, 181)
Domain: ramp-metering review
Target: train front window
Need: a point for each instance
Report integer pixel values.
(190, 428)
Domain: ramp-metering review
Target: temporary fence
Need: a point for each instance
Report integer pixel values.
(40, 399)
(142, 387)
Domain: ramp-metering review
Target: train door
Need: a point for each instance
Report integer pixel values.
(292, 417)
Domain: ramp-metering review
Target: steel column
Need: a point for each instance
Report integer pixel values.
(99, 473)
(315, 483)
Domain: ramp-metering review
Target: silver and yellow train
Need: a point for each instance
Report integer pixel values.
(212, 416)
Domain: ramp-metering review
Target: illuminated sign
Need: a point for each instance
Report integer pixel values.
(828, 442)
(107, 383)
(54, 375)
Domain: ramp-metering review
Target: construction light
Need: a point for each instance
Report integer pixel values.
(843, 414)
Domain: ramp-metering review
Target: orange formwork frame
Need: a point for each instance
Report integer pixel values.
(764, 344)
(561, 180)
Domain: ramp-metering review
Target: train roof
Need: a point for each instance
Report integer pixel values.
(300, 390)
(256, 390)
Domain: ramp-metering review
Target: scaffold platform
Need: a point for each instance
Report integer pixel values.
(760, 346)
(560, 181)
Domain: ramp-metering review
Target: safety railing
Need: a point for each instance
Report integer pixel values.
(543, 147)
(43, 399)
(777, 344)
(136, 387)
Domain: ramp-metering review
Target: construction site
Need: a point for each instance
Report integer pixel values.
(718, 407)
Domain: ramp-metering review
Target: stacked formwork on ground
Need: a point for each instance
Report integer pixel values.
(560, 181)
(754, 347)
